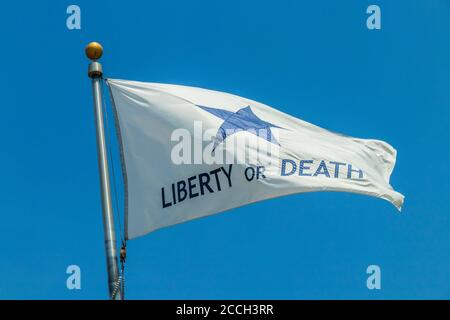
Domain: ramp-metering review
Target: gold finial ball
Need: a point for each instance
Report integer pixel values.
(94, 50)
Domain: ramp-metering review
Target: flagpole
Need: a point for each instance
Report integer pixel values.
(94, 51)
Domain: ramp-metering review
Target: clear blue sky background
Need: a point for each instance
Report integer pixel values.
(313, 59)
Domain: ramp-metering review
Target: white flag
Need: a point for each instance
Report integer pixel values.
(190, 152)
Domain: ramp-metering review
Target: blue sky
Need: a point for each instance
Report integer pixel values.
(315, 60)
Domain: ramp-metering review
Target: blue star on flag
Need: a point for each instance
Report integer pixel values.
(242, 120)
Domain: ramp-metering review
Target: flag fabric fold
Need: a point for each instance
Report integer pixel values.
(190, 152)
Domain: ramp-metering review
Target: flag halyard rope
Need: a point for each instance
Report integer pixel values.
(120, 281)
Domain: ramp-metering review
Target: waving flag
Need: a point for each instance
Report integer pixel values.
(190, 152)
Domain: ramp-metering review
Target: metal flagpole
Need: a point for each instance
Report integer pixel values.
(94, 51)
